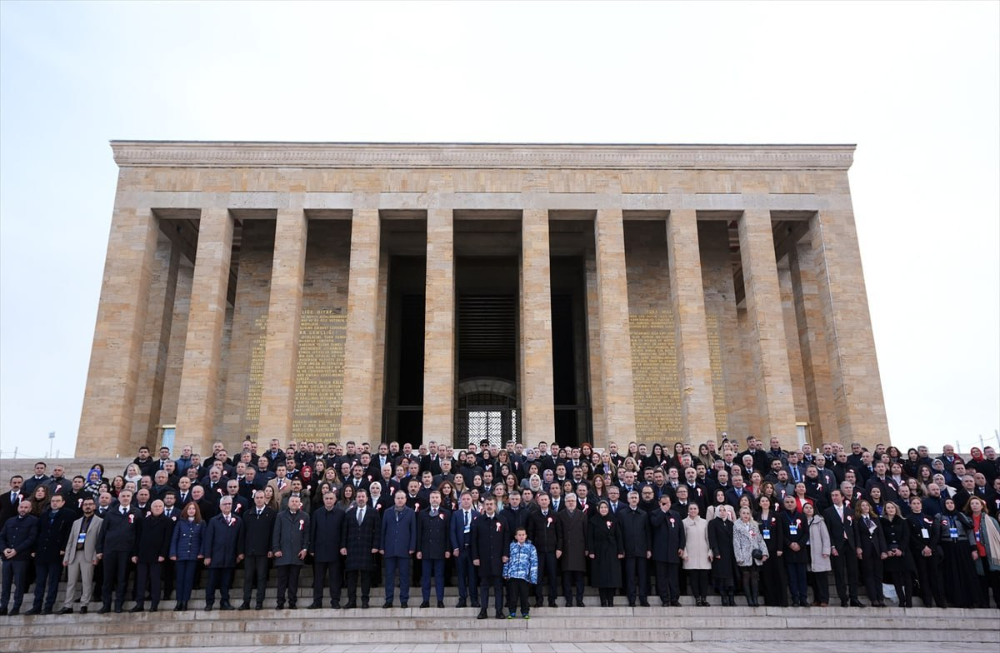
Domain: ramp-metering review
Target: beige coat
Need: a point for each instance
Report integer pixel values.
(696, 548)
(819, 543)
(89, 545)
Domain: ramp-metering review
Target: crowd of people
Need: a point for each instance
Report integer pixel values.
(518, 523)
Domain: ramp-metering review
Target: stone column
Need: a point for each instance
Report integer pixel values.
(109, 398)
(775, 403)
(616, 342)
(687, 298)
(538, 403)
(439, 329)
(857, 385)
(284, 310)
(153, 367)
(359, 418)
(206, 320)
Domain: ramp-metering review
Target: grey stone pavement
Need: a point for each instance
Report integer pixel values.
(595, 647)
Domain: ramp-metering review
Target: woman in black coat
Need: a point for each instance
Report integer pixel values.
(606, 549)
(720, 541)
(772, 572)
(152, 549)
(925, 548)
(899, 564)
(956, 563)
(871, 551)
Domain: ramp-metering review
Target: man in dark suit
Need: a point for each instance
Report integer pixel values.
(432, 548)
(53, 529)
(222, 546)
(324, 545)
(290, 544)
(359, 544)
(490, 542)
(635, 533)
(843, 545)
(397, 543)
(541, 529)
(32, 482)
(461, 549)
(17, 541)
(115, 546)
(9, 501)
(258, 528)
(668, 542)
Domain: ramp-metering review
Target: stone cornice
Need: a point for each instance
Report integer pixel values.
(209, 154)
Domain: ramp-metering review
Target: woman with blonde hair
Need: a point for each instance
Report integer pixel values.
(984, 536)
(751, 553)
(697, 558)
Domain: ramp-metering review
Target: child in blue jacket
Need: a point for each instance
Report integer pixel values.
(520, 571)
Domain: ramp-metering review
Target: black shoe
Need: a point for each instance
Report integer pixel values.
(350, 605)
(364, 605)
(104, 609)
(552, 603)
(118, 609)
(138, 608)
(425, 604)
(208, 607)
(154, 608)
(843, 603)
(244, 606)
(404, 605)
(440, 604)
(631, 604)
(387, 605)
(63, 611)
(259, 606)
(482, 615)
(32, 612)
(460, 604)
(644, 604)
(857, 604)
(475, 603)
(83, 610)
(500, 614)
(49, 610)
(315, 606)
(226, 605)
(177, 606)
(335, 605)
(292, 605)
(15, 612)
(281, 605)
(3, 611)
(538, 603)
(675, 604)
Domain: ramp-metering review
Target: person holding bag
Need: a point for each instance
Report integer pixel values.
(751, 553)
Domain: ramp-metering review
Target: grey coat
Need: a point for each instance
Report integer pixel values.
(290, 536)
(746, 540)
(819, 544)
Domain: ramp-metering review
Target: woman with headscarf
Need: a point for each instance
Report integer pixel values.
(697, 554)
(957, 565)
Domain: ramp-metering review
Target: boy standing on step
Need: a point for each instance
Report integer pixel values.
(520, 571)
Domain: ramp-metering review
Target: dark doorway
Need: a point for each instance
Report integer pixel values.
(571, 388)
(402, 418)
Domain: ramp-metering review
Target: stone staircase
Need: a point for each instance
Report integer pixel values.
(931, 628)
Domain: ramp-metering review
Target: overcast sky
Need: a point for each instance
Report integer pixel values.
(916, 86)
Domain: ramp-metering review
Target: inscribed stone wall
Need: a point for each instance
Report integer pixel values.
(243, 380)
(651, 324)
(319, 377)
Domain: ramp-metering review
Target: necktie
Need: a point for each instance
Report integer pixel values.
(258, 512)
(361, 516)
(121, 510)
(466, 519)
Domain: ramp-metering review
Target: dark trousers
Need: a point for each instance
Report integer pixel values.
(870, 568)
(929, 573)
(352, 585)
(402, 564)
(14, 572)
(607, 595)
(220, 578)
(699, 582)
(185, 579)
(254, 575)
(327, 572)
(572, 580)
(548, 569)
(845, 572)
(46, 583)
(485, 583)
(821, 587)
(797, 581)
(432, 569)
(167, 577)
(903, 582)
(115, 569)
(468, 576)
(636, 576)
(148, 572)
(519, 591)
(288, 582)
(666, 581)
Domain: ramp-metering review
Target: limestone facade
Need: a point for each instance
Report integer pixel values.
(246, 290)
